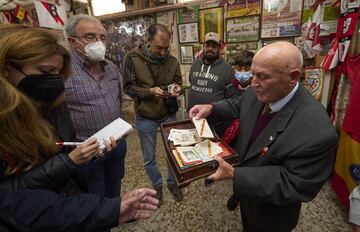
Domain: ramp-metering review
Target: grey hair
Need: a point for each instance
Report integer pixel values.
(73, 21)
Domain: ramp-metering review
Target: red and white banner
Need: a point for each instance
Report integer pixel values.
(331, 59)
(50, 15)
(312, 44)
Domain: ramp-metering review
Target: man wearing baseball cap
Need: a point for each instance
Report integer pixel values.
(210, 79)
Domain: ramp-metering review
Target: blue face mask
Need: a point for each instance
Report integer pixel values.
(243, 76)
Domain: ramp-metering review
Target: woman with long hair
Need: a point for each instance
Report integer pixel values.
(33, 116)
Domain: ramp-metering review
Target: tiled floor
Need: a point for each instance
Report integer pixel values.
(204, 208)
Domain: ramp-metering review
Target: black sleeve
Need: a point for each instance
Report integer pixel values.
(41, 210)
(44, 176)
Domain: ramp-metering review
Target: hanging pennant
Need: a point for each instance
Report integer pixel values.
(3, 18)
(312, 45)
(331, 59)
(50, 15)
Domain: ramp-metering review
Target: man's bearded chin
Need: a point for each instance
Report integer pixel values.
(211, 57)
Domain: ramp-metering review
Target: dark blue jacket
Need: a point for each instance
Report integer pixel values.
(41, 210)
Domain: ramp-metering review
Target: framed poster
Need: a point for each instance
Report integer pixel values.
(265, 42)
(242, 29)
(188, 33)
(281, 18)
(237, 8)
(186, 54)
(211, 20)
(233, 49)
(188, 15)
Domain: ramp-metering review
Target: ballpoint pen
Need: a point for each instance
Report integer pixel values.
(69, 143)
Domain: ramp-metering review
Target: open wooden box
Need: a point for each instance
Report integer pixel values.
(186, 174)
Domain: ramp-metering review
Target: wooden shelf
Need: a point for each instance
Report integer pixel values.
(132, 13)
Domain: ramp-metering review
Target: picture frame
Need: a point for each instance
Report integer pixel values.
(281, 18)
(265, 42)
(186, 54)
(211, 20)
(242, 29)
(234, 48)
(188, 33)
(238, 8)
(188, 15)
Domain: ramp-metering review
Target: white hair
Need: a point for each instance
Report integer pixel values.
(73, 21)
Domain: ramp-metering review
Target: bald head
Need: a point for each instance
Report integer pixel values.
(276, 70)
(282, 56)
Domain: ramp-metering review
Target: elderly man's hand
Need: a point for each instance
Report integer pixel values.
(138, 204)
(224, 172)
(200, 111)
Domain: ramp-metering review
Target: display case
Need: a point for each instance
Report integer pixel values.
(185, 174)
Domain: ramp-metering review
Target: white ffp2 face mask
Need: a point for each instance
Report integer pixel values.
(95, 51)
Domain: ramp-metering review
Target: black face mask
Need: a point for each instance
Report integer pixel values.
(42, 87)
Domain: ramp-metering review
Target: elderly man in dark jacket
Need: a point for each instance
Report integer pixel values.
(286, 141)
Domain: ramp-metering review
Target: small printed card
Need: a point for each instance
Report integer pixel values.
(203, 128)
(201, 152)
(184, 137)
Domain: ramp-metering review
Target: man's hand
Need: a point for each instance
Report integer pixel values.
(224, 172)
(176, 90)
(156, 91)
(138, 204)
(200, 111)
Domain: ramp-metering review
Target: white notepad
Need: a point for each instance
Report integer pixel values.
(117, 129)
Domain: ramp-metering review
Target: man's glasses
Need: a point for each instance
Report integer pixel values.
(92, 37)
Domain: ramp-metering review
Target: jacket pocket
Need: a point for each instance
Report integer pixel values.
(151, 108)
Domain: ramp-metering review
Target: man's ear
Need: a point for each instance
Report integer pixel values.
(295, 75)
(72, 42)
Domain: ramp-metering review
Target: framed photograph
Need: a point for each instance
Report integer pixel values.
(188, 33)
(242, 29)
(281, 18)
(188, 15)
(265, 42)
(233, 49)
(237, 8)
(186, 54)
(211, 20)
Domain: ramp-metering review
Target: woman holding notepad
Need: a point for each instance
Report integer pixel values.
(33, 65)
(33, 119)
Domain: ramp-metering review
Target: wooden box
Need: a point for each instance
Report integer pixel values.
(186, 174)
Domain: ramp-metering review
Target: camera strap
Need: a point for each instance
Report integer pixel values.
(156, 81)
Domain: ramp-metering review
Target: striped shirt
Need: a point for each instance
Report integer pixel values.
(92, 104)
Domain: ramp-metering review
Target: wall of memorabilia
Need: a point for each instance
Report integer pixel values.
(241, 24)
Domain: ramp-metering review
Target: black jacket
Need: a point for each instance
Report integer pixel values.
(41, 210)
(57, 173)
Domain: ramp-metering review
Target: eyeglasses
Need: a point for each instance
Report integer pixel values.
(92, 37)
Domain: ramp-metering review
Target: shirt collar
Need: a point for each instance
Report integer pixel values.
(279, 104)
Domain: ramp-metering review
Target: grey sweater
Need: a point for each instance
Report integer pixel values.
(209, 83)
